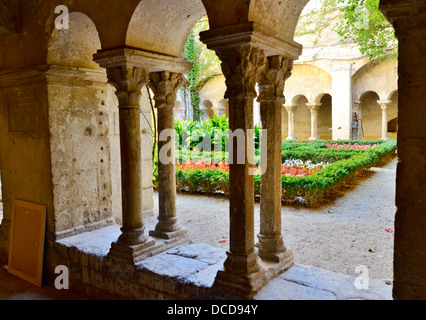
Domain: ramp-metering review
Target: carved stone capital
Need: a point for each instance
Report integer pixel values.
(165, 86)
(384, 104)
(128, 70)
(314, 107)
(128, 81)
(275, 72)
(290, 108)
(241, 67)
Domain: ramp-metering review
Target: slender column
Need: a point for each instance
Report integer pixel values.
(291, 109)
(128, 81)
(271, 98)
(165, 86)
(314, 108)
(242, 270)
(384, 104)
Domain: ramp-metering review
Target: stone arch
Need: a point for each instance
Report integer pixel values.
(75, 46)
(325, 123)
(206, 110)
(223, 107)
(163, 26)
(371, 115)
(302, 117)
(311, 80)
(269, 14)
(378, 76)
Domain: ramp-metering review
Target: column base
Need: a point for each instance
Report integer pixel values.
(277, 263)
(169, 235)
(136, 254)
(241, 286)
(314, 138)
(132, 254)
(291, 138)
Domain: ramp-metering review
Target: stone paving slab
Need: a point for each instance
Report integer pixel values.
(198, 264)
(311, 283)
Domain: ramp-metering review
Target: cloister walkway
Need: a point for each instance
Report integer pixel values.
(329, 244)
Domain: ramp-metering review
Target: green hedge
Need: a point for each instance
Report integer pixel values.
(314, 189)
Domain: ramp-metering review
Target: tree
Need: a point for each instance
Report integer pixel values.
(366, 26)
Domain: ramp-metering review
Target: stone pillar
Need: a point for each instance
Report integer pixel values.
(291, 109)
(271, 98)
(384, 104)
(314, 108)
(409, 261)
(128, 70)
(165, 86)
(129, 80)
(342, 97)
(243, 49)
(242, 271)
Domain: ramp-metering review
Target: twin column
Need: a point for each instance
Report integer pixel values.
(243, 66)
(129, 71)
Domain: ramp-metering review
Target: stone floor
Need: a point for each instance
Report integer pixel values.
(199, 263)
(14, 288)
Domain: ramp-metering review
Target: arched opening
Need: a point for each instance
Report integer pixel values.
(302, 117)
(206, 109)
(325, 123)
(371, 115)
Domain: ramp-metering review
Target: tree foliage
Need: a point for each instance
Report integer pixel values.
(206, 64)
(366, 25)
(355, 21)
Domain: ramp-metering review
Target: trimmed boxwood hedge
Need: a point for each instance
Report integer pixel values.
(344, 165)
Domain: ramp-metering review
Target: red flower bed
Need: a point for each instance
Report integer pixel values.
(293, 170)
(191, 165)
(298, 171)
(355, 146)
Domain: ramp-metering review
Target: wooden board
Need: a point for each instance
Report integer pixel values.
(27, 241)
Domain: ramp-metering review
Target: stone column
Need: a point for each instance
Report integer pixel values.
(129, 81)
(128, 70)
(409, 260)
(243, 49)
(165, 86)
(242, 271)
(291, 109)
(271, 98)
(384, 104)
(314, 108)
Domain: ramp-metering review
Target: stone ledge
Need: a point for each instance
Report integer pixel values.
(188, 272)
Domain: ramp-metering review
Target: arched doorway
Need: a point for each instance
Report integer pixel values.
(371, 115)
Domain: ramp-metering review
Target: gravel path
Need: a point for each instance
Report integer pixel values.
(339, 237)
